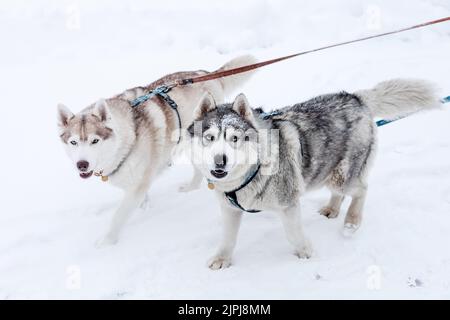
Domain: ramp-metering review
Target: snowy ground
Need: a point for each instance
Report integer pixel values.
(50, 218)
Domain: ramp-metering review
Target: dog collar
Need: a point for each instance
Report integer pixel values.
(231, 195)
(102, 177)
(105, 178)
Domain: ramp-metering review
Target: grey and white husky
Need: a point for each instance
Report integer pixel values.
(260, 161)
(129, 146)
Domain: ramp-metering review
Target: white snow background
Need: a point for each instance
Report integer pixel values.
(78, 51)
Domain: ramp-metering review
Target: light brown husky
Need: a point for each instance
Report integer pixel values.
(128, 146)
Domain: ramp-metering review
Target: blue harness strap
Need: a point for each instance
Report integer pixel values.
(381, 123)
(161, 91)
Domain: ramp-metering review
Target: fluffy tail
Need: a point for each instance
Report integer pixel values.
(232, 83)
(397, 98)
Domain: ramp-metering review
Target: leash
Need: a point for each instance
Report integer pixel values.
(163, 90)
(234, 71)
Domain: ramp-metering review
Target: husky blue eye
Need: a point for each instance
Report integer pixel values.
(209, 137)
(74, 143)
(95, 141)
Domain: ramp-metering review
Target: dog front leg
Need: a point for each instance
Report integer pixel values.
(130, 202)
(290, 217)
(231, 220)
(195, 182)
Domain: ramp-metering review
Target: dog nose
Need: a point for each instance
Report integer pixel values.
(220, 160)
(82, 165)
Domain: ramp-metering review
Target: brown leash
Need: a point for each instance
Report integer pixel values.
(230, 72)
(164, 89)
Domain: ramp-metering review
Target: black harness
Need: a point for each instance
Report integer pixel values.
(232, 197)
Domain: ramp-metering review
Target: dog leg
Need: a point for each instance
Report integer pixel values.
(331, 210)
(132, 199)
(231, 222)
(194, 184)
(290, 218)
(354, 214)
(130, 202)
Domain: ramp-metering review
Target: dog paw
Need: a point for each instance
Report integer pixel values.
(349, 230)
(328, 212)
(305, 251)
(106, 241)
(219, 262)
(188, 187)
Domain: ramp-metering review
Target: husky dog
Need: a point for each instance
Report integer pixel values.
(130, 146)
(328, 141)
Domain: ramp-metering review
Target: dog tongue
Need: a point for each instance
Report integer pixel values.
(86, 175)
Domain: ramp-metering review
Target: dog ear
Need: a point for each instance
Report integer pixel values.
(206, 105)
(101, 110)
(63, 115)
(242, 107)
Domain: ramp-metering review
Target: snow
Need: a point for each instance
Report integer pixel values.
(50, 218)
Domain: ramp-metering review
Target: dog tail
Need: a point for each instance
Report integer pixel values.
(232, 83)
(397, 98)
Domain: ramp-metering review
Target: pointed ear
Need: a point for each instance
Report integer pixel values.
(101, 110)
(242, 107)
(206, 105)
(63, 115)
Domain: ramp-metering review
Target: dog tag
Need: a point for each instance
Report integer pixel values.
(104, 178)
(211, 186)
